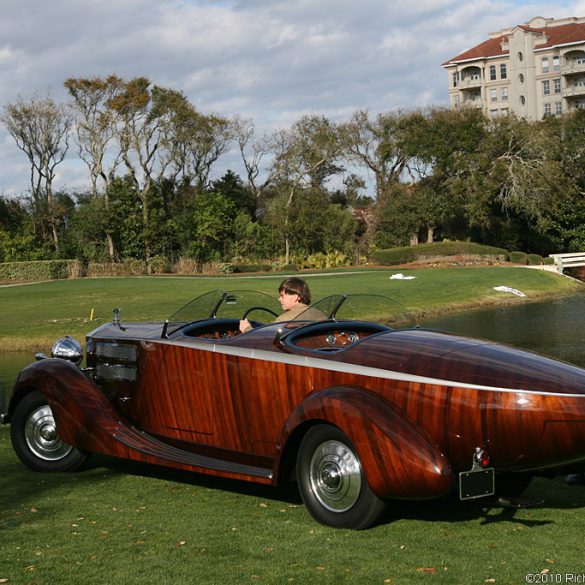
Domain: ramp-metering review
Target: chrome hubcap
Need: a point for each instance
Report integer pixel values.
(41, 435)
(336, 476)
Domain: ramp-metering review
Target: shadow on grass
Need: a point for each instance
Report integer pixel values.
(553, 491)
(20, 487)
(547, 494)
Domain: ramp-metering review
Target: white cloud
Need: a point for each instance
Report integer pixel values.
(272, 60)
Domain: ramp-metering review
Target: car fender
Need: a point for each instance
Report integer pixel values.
(83, 415)
(399, 458)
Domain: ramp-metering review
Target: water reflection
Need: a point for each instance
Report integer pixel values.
(552, 328)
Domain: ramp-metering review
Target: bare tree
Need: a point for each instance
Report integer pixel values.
(144, 130)
(377, 145)
(253, 151)
(95, 130)
(41, 127)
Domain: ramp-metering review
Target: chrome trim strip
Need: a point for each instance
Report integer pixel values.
(320, 363)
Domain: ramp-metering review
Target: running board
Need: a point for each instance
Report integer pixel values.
(144, 443)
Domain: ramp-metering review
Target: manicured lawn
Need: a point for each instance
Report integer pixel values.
(121, 523)
(33, 316)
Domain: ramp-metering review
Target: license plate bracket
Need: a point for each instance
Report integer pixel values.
(476, 483)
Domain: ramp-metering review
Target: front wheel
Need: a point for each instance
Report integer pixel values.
(35, 439)
(332, 483)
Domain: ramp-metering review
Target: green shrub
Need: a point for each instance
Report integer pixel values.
(130, 267)
(40, 270)
(534, 259)
(252, 267)
(407, 254)
(548, 261)
(289, 267)
(517, 257)
(160, 265)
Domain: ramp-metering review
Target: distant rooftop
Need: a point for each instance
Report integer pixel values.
(553, 33)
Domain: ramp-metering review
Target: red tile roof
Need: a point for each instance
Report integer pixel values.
(556, 35)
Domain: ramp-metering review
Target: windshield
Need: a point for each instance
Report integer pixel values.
(364, 307)
(220, 304)
(261, 308)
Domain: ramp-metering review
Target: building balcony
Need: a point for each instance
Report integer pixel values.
(574, 91)
(574, 67)
(470, 83)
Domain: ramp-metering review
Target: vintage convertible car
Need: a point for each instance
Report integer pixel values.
(357, 412)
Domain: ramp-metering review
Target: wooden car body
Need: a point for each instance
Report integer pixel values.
(416, 405)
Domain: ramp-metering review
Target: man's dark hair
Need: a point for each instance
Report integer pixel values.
(296, 286)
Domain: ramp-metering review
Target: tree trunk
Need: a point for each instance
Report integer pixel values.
(430, 235)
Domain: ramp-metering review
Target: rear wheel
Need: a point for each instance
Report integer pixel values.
(332, 483)
(35, 439)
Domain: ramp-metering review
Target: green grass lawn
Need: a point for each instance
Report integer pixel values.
(33, 316)
(122, 523)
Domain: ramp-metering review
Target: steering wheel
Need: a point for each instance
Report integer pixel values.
(248, 311)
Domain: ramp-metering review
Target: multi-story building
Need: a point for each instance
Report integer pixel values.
(532, 70)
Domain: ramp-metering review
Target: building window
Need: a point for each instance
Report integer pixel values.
(544, 63)
(522, 100)
(503, 71)
(456, 101)
(558, 108)
(547, 109)
(455, 78)
(504, 94)
(557, 85)
(504, 111)
(546, 87)
(521, 78)
(493, 72)
(520, 56)
(494, 95)
(556, 63)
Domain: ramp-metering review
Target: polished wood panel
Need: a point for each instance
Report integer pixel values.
(413, 430)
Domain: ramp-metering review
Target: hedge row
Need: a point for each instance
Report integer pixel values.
(530, 259)
(40, 270)
(437, 249)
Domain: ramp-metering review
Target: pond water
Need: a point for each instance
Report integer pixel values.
(553, 328)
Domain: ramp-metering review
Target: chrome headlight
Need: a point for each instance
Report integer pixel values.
(68, 349)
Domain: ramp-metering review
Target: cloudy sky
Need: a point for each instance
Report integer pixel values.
(269, 60)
